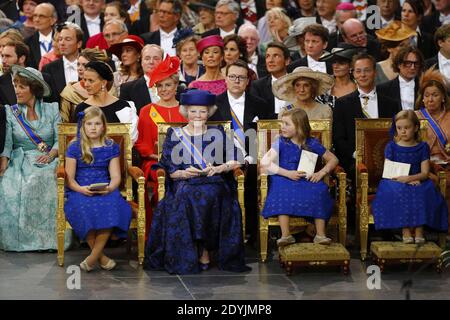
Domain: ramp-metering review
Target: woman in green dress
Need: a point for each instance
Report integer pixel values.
(27, 167)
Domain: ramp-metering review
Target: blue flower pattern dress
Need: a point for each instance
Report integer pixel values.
(201, 212)
(300, 198)
(28, 194)
(400, 205)
(86, 213)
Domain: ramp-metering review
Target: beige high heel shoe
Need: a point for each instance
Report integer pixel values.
(111, 264)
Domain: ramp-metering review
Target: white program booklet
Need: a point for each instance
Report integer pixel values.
(393, 169)
(307, 162)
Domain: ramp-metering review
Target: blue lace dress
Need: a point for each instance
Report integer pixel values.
(400, 205)
(98, 212)
(300, 198)
(196, 213)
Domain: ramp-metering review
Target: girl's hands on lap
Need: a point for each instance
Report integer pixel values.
(86, 191)
(104, 191)
(414, 183)
(317, 176)
(295, 175)
(402, 179)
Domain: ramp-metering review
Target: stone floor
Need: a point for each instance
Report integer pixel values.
(37, 276)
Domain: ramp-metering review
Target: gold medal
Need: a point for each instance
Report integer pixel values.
(447, 148)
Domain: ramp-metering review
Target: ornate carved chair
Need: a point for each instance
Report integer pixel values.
(161, 174)
(268, 130)
(119, 132)
(372, 135)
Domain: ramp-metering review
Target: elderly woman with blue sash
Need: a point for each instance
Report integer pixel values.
(433, 104)
(27, 167)
(199, 221)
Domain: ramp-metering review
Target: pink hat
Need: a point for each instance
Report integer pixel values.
(209, 41)
(345, 6)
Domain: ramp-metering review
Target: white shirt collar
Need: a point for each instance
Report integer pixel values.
(67, 63)
(96, 20)
(233, 101)
(167, 35)
(442, 59)
(406, 83)
(371, 94)
(224, 33)
(48, 38)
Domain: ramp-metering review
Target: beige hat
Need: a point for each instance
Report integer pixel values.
(283, 88)
(395, 31)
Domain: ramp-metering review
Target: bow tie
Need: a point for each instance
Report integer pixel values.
(93, 21)
(70, 65)
(240, 100)
(248, 4)
(444, 19)
(254, 59)
(407, 85)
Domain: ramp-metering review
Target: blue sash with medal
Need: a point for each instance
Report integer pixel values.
(238, 129)
(34, 137)
(440, 134)
(189, 146)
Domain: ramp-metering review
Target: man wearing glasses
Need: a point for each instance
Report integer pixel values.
(408, 63)
(226, 16)
(243, 110)
(353, 32)
(40, 43)
(169, 15)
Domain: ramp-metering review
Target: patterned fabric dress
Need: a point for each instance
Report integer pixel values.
(28, 192)
(400, 205)
(215, 87)
(300, 198)
(201, 212)
(86, 213)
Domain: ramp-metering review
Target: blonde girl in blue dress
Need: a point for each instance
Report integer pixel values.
(95, 214)
(291, 193)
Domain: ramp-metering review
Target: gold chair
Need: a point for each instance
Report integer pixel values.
(161, 174)
(119, 132)
(372, 135)
(268, 130)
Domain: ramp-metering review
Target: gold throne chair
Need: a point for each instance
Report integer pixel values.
(120, 133)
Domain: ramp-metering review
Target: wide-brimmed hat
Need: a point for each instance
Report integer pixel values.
(283, 88)
(343, 50)
(297, 29)
(32, 74)
(164, 69)
(395, 31)
(206, 4)
(130, 41)
(209, 41)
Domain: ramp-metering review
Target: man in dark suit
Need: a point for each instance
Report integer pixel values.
(365, 102)
(13, 53)
(64, 70)
(316, 40)
(344, 11)
(91, 18)
(243, 109)
(256, 62)
(226, 17)
(437, 18)
(442, 60)
(354, 33)
(403, 89)
(169, 15)
(138, 90)
(40, 43)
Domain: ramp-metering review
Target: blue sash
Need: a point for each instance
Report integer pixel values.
(238, 129)
(189, 146)
(289, 107)
(34, 137)
(440, 134)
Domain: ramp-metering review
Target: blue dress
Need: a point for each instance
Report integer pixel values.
(201, 212)
(300, 198)
(86, 213)
(401, 205)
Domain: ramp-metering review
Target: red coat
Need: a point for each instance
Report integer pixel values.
(97, 41)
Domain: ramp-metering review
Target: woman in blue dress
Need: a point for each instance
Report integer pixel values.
(409, 202)
(95, 213)
(27, 167)
(291, 192)
(199, 214)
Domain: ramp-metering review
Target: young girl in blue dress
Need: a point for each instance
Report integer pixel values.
(95, 214)
(291, 193)
(409, 202)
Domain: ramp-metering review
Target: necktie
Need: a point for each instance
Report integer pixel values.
(46, 47)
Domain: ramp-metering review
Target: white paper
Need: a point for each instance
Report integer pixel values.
(393, 169)
(307, 162)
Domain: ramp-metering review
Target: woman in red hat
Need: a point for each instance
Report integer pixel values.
(212, 54)
(129, 53)
(165, 77)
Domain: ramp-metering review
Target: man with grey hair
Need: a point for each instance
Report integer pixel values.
(114, 32)
(256, 62)
(138, 90)
(40, 43)
(226, 17)
(169, 15)
(353, 32)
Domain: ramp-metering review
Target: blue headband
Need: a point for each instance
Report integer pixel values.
(196, 97)
(80, 122)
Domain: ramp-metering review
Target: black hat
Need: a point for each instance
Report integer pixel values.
(103, 69)
(343, 50)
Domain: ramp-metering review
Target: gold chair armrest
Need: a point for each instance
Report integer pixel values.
(442, 179)
(239, 176)
(161, 175)
(135, 173)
